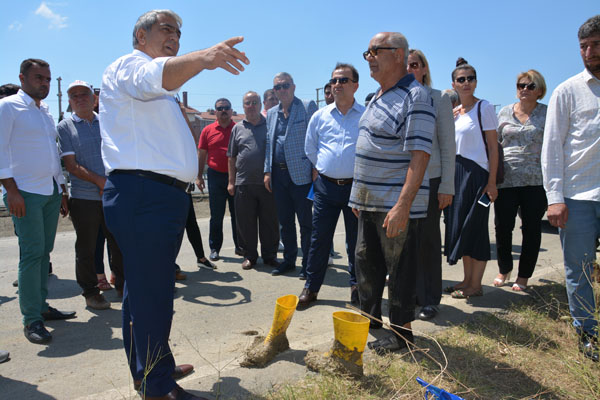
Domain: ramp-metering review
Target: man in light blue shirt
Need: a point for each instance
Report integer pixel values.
(330, 145)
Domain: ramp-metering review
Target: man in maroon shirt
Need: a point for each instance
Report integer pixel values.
(213, 143)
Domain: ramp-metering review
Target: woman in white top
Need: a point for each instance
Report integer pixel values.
(467, 235)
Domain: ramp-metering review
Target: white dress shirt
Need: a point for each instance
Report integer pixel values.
(571, 148)
(141, 124)
(28, 149)
(330, 142)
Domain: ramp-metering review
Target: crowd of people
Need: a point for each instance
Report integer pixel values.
(391, 167)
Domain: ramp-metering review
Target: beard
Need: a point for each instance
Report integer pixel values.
(593, 66)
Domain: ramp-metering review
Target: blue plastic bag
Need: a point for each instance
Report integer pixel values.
(436, 392)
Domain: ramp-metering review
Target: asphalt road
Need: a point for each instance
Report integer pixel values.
(213, 313)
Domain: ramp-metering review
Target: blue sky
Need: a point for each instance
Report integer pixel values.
(305, 38)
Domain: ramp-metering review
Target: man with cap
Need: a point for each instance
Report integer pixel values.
(80, 143)
(32, 178)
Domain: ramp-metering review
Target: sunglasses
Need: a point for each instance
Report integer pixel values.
(223, 108)
(414, 65)
(284, 86)
(530, 86)
(469, 78)
(251, 102)
(373, 52)
(342, 81)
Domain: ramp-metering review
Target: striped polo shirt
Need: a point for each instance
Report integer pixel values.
(399, 121)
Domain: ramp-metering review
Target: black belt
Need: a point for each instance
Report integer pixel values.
(167, 180)
(281, 165)
(339, 182)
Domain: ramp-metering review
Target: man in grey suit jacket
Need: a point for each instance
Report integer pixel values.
(288, 172)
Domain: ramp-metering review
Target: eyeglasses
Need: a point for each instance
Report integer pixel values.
(373, 52)
(469, 78)
(284, 86)
(223, 108)
(414, 65)
(342, 81)
(530, 86)
(253, 102)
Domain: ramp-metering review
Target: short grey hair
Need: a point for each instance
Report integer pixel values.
(591, 27)
(396, 39)
(284, 75)
(252, 92)
(148, 19)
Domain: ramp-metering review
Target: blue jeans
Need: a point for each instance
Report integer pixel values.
(329, 200)
(218, 197)
(291, 200)
(147, 219)
(578, 240)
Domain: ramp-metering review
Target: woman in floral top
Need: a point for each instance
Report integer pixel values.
(521, 131)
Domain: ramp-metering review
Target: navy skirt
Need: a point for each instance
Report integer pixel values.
(466, 220)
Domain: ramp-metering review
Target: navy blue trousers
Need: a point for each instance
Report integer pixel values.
(147, 219)
(218, 197)
(329, 200)
(291, 200)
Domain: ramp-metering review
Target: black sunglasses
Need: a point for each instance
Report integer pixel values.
(223, 108)
(342, 81)
(285, 86)
(414, 65)
(469, 78)
(373, 52)
(530, 86)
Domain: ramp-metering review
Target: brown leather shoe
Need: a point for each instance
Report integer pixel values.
(176, 394)
(179, 372)
(180, 276)
(247, 264)
(306, 297)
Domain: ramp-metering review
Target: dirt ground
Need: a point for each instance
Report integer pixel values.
(65, 225)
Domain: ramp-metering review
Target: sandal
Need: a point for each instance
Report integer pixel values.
(103, 284)
(499, 282)
(451, 289)
(517, 287)
(460, 294)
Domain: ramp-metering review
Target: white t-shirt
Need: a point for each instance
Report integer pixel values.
(469, 143)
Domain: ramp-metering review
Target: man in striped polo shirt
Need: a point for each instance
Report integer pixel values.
(388, 194)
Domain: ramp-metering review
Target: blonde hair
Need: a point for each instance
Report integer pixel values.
(536, 78)
(423, 59)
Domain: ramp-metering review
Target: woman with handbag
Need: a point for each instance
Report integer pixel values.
(521, 132)
(467, 235)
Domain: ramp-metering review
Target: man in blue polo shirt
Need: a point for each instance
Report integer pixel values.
(387, 195)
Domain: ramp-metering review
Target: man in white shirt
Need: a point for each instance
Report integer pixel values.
(571, 171)
(33, 182)
(149, 157)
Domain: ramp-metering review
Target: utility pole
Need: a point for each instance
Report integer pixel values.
(60, 113)
(319, 101)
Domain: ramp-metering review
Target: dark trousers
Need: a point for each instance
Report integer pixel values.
(254, 207)
(99, 255)
(424, 252)
(218, 196)
(533, 203)
(147, 219)
(376, 256)
(193, 231)
(330, 199)
(291, 201)
(87, 217)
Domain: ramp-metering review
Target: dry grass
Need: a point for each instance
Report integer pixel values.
(527, 352)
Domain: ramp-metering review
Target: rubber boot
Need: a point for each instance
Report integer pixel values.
(345, 356)
(263, 349)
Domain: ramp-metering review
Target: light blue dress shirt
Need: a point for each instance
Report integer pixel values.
(331, 140)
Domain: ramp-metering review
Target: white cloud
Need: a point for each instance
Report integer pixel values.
(57, 21)
(15, 26)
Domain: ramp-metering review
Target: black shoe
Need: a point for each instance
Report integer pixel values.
(375, 324)
(283, 268)
(427, 313)
(206, 264)
(214, 255)
(302, 276)
(54, 314)
(390, 343)
(588, 345)
(354, 300)
(37, 333)
(16, 283)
